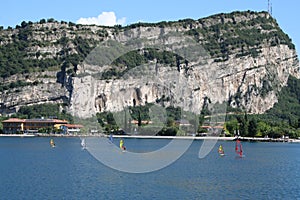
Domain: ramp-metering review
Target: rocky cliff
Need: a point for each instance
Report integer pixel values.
(242, 58)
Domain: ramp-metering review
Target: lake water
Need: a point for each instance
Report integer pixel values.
(30, 169)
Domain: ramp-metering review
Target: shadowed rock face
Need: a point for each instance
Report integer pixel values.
(220, 64)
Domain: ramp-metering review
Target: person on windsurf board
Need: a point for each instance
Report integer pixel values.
(221, 150)
(122, 146)
(52, 144)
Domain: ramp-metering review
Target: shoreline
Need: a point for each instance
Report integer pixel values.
(174, 137)
(17, 135)
(247, 139)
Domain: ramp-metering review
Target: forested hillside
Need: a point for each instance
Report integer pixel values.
(41, 64)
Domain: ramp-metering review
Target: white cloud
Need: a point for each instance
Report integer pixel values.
(105, 19)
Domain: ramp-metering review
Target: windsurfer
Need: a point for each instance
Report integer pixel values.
(122, 145)
(236, 146)
(83, 144)
(221, 150)
(52, 143)
(111, 138)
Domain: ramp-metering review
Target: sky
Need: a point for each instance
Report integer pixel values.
(125, 12)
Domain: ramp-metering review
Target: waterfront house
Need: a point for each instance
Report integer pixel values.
(71, 128)
(20, 126)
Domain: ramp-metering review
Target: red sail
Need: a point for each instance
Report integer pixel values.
(238, 148)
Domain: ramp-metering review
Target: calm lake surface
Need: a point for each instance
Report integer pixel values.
(30, 169)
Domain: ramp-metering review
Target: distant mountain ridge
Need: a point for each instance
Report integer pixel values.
(42, 62)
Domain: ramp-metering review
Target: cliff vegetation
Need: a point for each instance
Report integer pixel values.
(41, 63)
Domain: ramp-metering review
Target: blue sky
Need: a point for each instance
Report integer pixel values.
(13, 12)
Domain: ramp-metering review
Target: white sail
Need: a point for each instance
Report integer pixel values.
(83, 144)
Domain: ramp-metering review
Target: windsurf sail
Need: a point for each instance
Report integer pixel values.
(122, 145)
(238, 148)
(111, 139)
(83, 144)
(221, 150)
(52, 144)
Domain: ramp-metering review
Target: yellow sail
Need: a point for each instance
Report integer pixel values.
(221, 150)
(122, 146)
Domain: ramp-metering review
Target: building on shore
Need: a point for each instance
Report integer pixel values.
(70, 128)
(34, 126)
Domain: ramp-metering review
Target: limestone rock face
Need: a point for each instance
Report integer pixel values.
(248, 77)
(222, 65)
(41, 89)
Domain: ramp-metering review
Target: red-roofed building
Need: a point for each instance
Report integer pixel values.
(13, 125)
(16, 125)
